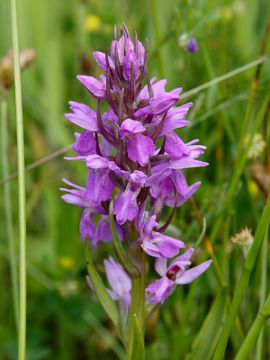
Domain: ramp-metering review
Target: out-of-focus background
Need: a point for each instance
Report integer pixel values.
(64, 318)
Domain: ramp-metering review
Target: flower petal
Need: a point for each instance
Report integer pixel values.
(130, 62)
(191, 274)
(175, 147)
(186, 163)
(87, 228)
(119, 280)
(160, 290)
(126, 207)
(140, 148)
(168, 247)
(96, 88)
(85, 143)
(82, 116)
(157, 105)
(130, 126)
(161, 266)
(100, 58)
(99, 186)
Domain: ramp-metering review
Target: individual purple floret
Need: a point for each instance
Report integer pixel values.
(174, 274)
(135, 162)
(192, 45)
(120, 284)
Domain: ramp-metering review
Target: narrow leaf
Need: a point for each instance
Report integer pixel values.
(254, 331)
(205, 342)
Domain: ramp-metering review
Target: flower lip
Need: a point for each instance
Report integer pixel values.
(171, 273)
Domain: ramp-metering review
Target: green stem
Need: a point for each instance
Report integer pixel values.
(243, 282)
(263, 288)
(8, 211)
(138, 286)
(135, 344)
(254, 331)
(21, 184)
(221, 78)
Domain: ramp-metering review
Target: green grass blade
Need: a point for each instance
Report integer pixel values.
(221, 78)
(21, 184)
(263, 290)
(204, 344)
(254, 331)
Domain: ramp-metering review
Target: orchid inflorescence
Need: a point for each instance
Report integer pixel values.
(135, 163)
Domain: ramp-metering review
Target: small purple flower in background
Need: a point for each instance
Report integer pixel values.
(188, 42)
(135, 163)
(174, 274)
(192, 45)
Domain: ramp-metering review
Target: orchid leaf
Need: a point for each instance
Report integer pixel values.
(136, 349)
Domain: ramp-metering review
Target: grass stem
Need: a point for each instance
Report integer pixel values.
(21, 184)
(263, 289)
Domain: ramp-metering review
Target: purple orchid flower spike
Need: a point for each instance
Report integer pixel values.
(173, 275)
(135, 163)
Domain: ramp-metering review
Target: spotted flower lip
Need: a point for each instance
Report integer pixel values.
(174, 274)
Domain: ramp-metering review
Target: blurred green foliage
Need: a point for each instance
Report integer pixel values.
(65, 320)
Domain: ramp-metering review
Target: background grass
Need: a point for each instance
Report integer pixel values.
(64, 319)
